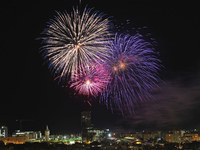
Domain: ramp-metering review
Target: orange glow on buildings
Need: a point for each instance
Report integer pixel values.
(169, 137)
(195, 136)
(14, 140)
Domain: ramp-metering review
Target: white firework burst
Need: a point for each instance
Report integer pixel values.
(74, 40)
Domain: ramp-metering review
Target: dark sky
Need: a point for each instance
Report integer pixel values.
(30, 93)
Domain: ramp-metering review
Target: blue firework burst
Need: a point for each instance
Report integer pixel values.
(133, 72)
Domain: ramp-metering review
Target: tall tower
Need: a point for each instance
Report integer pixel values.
(47, 132)
(85, 125)
(86, 119)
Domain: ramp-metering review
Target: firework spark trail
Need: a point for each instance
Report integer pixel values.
(89, 103)
(91, 80)
(71, 40)
(132, 67)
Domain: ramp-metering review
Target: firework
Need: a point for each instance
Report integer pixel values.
(132, 67)
(91, 80)
(74, 40)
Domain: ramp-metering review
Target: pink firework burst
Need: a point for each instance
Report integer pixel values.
(91, 80)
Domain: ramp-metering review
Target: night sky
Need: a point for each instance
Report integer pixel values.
(30, 92)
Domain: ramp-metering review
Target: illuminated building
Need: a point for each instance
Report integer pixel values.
(134, 136)
(193, 136)
(187, 139)
(175, 136)
(147, 136)
(14, 140)
(85, 125)
(88, 132)
(96, 134)
(4, 131)
(32, 135)
(86, 120)
(47, 132)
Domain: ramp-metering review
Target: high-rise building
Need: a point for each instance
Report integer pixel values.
(85, 125)
(89, 133)
(86, 119)
(4, 131)
(47, 132)
(175, 136)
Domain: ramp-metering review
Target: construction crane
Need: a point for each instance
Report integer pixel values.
(22, 120)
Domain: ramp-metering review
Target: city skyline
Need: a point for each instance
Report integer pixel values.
(89, 132)
(91, 137)
(32, 94)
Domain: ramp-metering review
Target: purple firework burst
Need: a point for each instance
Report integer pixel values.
(90, 80)
(133, 72)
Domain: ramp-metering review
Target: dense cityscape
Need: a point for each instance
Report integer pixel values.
(102, 139)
